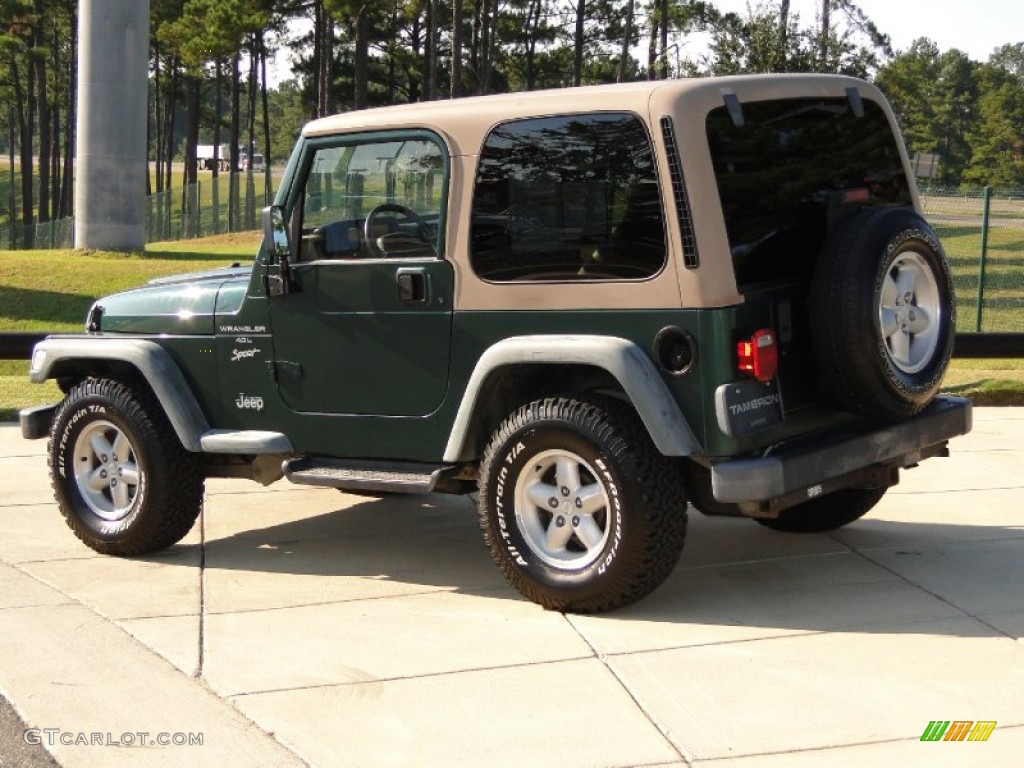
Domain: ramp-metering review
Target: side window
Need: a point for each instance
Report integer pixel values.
(572, 197)
(374, 199)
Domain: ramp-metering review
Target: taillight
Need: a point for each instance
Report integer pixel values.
(759, 355)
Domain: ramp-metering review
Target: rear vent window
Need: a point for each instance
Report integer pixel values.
(675, 168)
(793, 167)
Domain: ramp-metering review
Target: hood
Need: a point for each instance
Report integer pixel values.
(175, 305)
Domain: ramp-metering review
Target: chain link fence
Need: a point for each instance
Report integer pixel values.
(982, 231)
(195, 210)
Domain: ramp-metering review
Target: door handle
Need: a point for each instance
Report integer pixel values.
(413, 285)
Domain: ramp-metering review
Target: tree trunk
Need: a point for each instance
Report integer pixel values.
(264, 100)
(783, 33)
(191, 206)
(456, 84)
(474, 47)
(664, 39)
(489, 43)
(533, 24)
(577, 47)
(234, 137)
(43, 125)
(169, 110)
(826, 29)
(652, 46)
(362, 55)
(326, 61)
(12, 189)
(414, 74)
(218, 110)
(25, 112)
(67, 177)
(430, 52)
(157, 124)
(627, 43)
(250, 139)
(55, 131)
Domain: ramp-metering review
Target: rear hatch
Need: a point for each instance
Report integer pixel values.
(788, 171)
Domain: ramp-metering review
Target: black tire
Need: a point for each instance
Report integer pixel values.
(142, 500)
(826, 513)
(882, 313)
(622, 505)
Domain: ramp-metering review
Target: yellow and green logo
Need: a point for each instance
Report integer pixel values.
(958, 730)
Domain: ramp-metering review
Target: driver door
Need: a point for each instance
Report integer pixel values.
(366, 325)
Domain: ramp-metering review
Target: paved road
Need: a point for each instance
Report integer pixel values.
(305, 627)
(14, 751)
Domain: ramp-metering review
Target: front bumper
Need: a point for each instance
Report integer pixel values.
(867, 457)
(35, 422)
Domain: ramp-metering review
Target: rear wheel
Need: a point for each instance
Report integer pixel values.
(123, 481)
(826, 513)
(578, 508)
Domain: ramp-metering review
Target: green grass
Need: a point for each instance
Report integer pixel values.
(987, 382)
(53, 290)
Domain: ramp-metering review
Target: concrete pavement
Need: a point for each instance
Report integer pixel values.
(306, 627)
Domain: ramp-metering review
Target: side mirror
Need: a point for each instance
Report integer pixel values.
(276, 245)
(275, 231)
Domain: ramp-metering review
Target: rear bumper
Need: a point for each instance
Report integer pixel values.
(867, 457)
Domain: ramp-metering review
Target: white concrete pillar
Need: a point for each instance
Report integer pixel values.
(110, 147)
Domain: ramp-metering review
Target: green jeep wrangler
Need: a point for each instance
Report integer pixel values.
(591, 306)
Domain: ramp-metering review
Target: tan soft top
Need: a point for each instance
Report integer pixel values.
(464, 124)
(465, 121)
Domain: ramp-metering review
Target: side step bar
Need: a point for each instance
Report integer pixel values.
(378, 476)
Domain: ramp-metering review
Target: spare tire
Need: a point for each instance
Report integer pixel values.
(882, 313)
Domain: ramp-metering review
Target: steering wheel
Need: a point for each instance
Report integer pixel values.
(422, 230)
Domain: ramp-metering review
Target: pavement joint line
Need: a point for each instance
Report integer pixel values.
(679, 749)
(987, 450)
(844, 745)
(1011, 534)
(939, 597)
(315, 604)
(404, 678)
(261, 491)
(202, 592)
(36, 605)
(864, 628)
(773, 559)
(149, 617)
(54, 560)
(947, 491)
(797, 633)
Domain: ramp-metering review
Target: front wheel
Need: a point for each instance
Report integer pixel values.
(578, 508)
(123, 481)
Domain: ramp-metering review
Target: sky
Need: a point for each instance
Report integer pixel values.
(976, 27)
